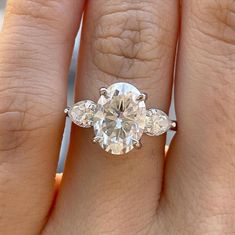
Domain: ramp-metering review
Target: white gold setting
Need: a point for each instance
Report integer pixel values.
(120, 118)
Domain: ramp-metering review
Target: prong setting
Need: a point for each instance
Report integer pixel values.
(96, 139)
(137, 144)
(173, 126)
(93, 107)
(66, 110)
(104, 92)
(119, 118)
(142, 97)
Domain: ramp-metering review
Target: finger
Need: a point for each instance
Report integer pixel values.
(131, 41)
(35, 47)
(200, 170)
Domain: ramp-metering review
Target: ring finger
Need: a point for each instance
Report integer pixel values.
(130, 41)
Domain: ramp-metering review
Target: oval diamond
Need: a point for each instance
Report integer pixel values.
(119, 120)
(82, 113)
(157, 122)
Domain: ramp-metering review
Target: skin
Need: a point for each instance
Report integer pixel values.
(191, 190)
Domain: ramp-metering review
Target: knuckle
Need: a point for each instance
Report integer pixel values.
(130, 42)
(31, 8)
(46, 16)
(205, 217)
(13, 120)
(30, 101)
(24, 113)
(23, 58)
(220, 222)
(216, 18)
(12, 135)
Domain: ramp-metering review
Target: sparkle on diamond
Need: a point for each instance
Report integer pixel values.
(157, 122)
(82, 113)
(119, 120)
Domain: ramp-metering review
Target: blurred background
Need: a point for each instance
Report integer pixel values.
(2, 6)
(71, 78)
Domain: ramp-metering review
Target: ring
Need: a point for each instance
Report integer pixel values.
(120, 118)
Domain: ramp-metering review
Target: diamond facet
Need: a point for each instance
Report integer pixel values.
(157, 122)
(82, 113)
(119, 120)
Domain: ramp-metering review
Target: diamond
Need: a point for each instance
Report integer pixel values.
(119, 120)
(82, 113)
(157, 122)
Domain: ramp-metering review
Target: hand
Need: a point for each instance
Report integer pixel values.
(192, 191)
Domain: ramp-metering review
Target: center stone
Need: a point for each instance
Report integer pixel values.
(119, 120)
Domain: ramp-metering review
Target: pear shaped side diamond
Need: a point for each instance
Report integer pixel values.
(82, 113)
(157, 122)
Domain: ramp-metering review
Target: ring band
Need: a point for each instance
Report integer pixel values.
(120, 118)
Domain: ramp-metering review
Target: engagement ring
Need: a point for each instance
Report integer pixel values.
(120, 118)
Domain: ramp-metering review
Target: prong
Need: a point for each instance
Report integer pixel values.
(96, 139)
(66, 111)
(174, 126)
(104, 92)
(137, 144)
(142, 97)
(149, 113)
(93, 107)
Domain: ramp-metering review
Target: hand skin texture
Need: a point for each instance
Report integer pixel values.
(191, 191)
